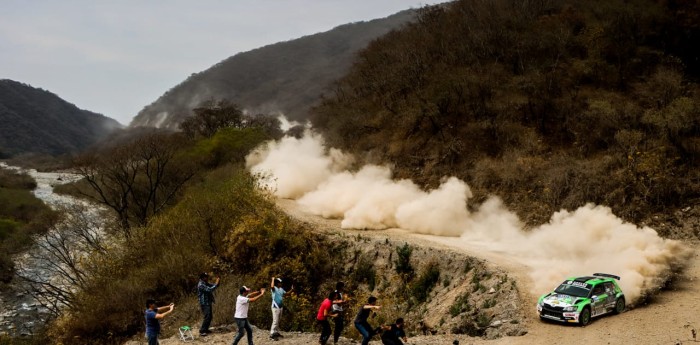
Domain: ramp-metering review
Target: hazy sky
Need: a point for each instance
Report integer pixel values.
(115, 57)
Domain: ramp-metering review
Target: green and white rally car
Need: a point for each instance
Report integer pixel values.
(578, 299)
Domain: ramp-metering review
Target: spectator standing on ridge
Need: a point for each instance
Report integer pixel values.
(277, 305)
(241, 315)
(205, 293)
(153, 316)
(393, 334)
(361, 322)
(322, 317)
(338, 305)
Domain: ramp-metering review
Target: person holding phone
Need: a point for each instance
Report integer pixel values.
(153, 317)
(205, 294)
(244, 299)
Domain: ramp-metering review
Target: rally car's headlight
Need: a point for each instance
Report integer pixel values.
(569, 308)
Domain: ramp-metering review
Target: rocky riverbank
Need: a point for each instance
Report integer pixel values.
(21, 315)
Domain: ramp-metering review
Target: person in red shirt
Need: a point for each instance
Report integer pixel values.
(322, 317)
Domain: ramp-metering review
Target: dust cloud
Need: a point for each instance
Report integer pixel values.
(580, 242)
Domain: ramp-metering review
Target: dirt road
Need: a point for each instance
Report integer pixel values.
(667, 318)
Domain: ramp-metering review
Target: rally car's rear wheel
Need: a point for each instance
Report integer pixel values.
(619, 305)
(585, 317)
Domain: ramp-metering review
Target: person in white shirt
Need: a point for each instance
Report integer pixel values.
(241, 315)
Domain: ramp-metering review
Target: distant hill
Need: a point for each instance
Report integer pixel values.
(288, 76)
(33, 120)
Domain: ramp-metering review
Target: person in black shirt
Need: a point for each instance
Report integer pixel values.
(393, 334)
(361, 319)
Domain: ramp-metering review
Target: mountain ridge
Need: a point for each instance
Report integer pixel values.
(34, 120)
(287, 77)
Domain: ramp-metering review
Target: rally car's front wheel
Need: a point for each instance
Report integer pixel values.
(585, 317)
(619, 305)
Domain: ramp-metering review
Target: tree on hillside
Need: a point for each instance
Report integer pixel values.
(211, 116)
(65, 255)
(138, 179)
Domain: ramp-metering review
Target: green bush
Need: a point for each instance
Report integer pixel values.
(7, 228)
(482, 320)
(364, 272)
(488, 303)
(460, 305)
(402, 265)
(228, 145)
(430, 275)
(14, 180)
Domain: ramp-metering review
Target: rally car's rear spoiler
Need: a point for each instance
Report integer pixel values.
(606, 275)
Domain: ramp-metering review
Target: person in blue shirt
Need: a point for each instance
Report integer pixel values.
(278, 293)
(153, 316)
(205, 293)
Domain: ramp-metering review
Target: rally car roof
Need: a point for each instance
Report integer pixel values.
(590, 279)
(584, 279)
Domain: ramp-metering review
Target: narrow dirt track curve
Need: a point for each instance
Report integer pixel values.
(667, 318)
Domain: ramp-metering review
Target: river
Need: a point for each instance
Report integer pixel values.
(20, 314)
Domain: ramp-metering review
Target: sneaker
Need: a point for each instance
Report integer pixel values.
(277, 335)
(203, 334)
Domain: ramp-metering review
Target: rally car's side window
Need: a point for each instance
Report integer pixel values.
(598, 290)
(609, 288)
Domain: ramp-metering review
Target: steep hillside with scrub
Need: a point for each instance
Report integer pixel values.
(548, 104)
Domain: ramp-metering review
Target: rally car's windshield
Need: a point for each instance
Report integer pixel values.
(573, 288)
